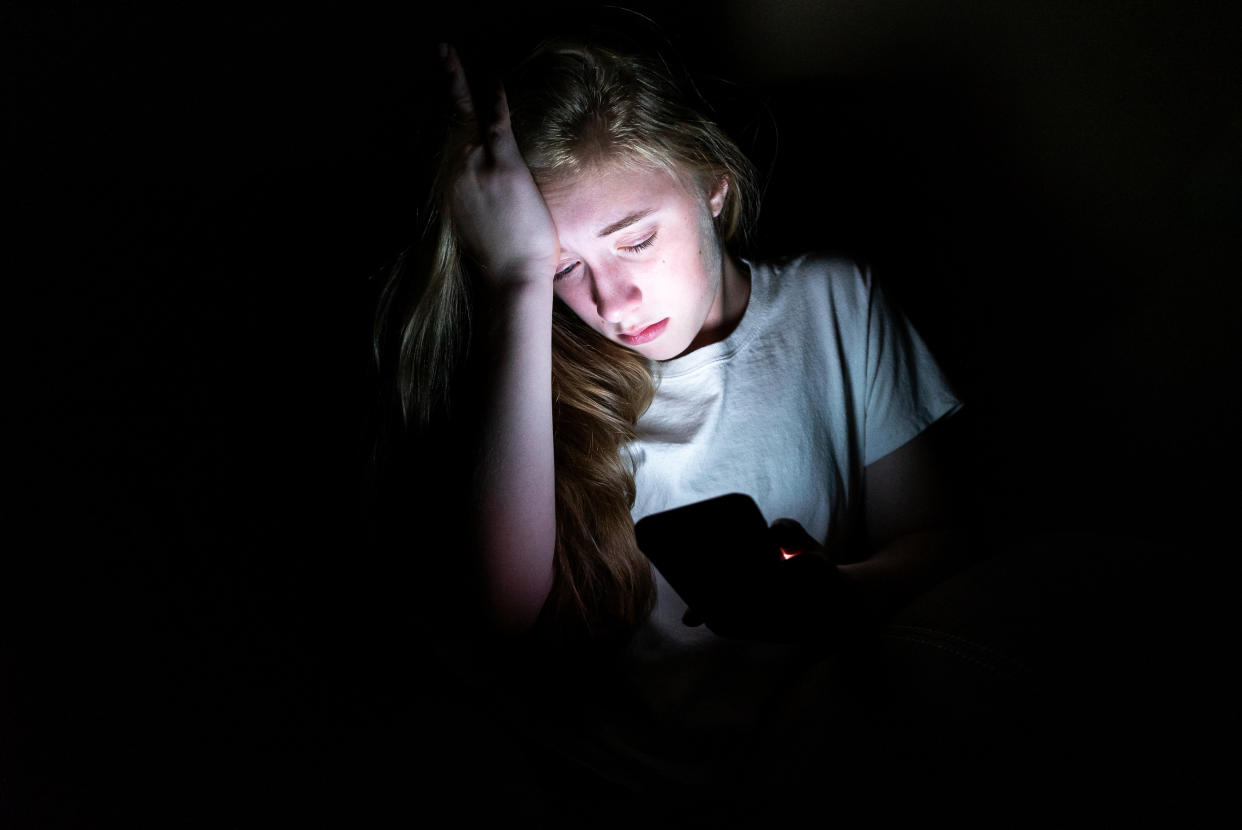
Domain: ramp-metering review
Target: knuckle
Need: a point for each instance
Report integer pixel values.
(497, 131)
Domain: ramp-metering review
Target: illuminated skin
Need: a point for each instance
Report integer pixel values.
(665, 273)
(517, 238)
(640, 260)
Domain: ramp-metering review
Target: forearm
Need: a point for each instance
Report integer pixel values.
(910, 525)
(513, 481)
(900, 571)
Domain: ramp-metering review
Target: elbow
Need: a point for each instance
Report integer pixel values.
(513, 602)
(511, 579)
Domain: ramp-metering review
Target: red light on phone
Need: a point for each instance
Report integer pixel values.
(789, 554)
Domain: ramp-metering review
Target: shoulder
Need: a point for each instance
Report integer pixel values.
(841, 273)
(829, 282)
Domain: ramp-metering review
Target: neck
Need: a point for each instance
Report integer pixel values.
(729, 307)
(735, 292)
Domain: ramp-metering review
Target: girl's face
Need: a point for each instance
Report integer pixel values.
(640, 260)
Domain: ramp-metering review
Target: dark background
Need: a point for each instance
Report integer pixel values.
(198, 620)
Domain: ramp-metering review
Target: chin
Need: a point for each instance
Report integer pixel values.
(666, 351)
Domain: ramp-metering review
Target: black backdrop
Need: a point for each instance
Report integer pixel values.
(208, 196)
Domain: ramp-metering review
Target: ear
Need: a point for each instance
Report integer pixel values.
(717, 197)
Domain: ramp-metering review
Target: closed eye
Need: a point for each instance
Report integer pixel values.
(647, 243)
(641, 246)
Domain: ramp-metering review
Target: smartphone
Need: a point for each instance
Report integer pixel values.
(714, 553)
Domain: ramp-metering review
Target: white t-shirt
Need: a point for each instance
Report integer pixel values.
(820, 378)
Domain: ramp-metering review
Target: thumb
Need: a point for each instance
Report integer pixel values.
(792, 538)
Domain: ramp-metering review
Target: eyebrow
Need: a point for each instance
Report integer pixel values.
(626, 222)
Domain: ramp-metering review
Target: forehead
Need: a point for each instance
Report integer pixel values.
(602, 193)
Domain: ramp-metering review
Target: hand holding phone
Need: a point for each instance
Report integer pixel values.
(714, 552)
(726, 563)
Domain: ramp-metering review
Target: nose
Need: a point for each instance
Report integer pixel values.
(616, 294)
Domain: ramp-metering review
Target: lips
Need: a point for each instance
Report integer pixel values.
(644, 335)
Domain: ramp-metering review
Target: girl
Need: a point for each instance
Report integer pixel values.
(586, 334)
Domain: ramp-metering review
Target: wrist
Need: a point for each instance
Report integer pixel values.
(518, 297)
(520, 274)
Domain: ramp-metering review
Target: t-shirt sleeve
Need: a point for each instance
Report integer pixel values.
(906, 391)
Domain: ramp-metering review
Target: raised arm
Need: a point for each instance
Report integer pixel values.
(506, 231)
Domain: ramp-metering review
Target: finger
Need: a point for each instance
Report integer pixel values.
(500, 141)
(792, 538)
(500, 116)
(458, 89)
(501, 123)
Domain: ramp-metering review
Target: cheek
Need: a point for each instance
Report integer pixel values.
(709, 268)
(578, 303)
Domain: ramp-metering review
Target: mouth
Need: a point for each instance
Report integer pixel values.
(644, 335)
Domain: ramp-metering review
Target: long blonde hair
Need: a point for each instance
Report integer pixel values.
(572, 105)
